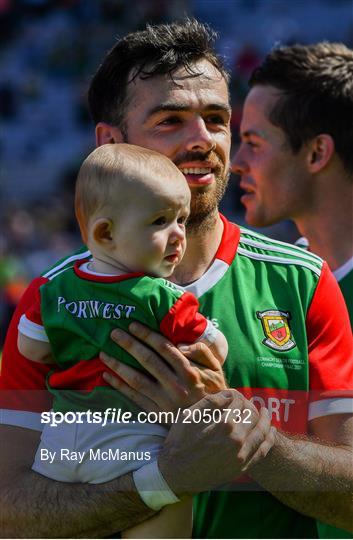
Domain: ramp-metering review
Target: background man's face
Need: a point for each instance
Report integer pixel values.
(187, 119)
(275, 180)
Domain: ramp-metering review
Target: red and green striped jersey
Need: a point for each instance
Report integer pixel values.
(290, 349)
(76, 311)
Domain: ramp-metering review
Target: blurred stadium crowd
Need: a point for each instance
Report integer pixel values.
(48, 52)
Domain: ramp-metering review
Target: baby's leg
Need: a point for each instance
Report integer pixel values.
(173, 521)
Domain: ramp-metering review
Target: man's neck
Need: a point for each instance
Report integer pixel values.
(329, 226)
(201, 249)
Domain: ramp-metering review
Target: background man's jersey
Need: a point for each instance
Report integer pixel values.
(344, 276)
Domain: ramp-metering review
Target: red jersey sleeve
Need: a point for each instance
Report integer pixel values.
(33, 312)
(330, 341)
(22, 382)
(31, 324)
(183, 323)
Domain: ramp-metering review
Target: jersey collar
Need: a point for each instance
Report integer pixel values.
(229, 243)
(224, 257)
(101, 278)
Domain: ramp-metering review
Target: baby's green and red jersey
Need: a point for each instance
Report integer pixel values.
(76, 311)
(290, 348)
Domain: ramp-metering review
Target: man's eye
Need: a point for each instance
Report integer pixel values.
(252, 144)
(169, 121)
(216, 119)
(160, 221)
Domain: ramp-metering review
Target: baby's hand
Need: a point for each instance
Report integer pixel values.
(214, 340)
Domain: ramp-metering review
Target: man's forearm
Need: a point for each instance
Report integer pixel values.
(313, 478)
(35, 506)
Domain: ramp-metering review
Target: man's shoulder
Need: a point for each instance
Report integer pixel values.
(258, 247)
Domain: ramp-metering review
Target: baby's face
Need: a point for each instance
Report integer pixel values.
(150, 236)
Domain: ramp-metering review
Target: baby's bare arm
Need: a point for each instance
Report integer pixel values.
(35, 350)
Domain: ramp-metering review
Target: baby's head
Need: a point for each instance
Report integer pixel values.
(131, 205)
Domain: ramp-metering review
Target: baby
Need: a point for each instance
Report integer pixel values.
(132, 205)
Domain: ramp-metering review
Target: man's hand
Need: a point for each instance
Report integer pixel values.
(199, 456)
(238, 437)
(178, 379)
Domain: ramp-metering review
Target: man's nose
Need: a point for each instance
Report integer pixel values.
(199, 137)
(237, 164)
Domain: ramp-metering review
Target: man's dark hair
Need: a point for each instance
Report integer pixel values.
(157, 50)
(317, 85)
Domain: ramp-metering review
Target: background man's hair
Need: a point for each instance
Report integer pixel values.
(157, 50)
(317, 85)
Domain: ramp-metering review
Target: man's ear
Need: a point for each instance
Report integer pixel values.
(105, 134)
(102, 231)
(321, 150)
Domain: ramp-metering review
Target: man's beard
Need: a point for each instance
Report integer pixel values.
(204, 205)
(204, 202)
